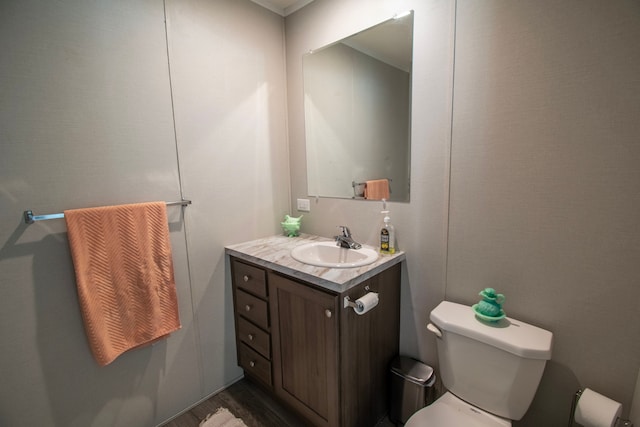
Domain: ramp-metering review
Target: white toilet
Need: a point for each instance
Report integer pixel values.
(491, 370)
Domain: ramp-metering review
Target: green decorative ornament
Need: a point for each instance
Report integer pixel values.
(291, 226)
(490, 306)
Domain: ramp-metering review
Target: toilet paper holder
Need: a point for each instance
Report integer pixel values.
(348, 303)
(619, 422)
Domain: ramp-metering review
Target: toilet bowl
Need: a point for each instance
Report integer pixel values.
(449, 411)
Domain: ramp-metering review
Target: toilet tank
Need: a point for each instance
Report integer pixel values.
(495, 366)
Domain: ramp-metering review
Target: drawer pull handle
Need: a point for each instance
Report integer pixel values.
(245, 278)
(250, 336)
(252, 364)
(247, 307)
(328, 313)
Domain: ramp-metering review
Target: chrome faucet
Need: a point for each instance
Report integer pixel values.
(345, 240)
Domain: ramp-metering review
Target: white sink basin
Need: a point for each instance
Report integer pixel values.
(328, 254)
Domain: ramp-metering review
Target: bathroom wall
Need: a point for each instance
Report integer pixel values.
(86, 119)
(545, 181)
(542, 151)
(229, 86)
(539, 194)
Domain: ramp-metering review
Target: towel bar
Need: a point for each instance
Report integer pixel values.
(358, 188)
(30, 218)
(353, 183)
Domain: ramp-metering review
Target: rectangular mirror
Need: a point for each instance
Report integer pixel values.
(357, 105)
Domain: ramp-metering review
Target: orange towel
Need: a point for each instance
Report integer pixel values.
(124, 274)
(377, 189)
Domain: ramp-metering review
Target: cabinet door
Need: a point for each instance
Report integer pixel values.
(304, 324)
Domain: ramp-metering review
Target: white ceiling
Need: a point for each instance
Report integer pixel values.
(282, 7)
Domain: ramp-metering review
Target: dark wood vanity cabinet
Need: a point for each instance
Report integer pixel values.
(320, 358)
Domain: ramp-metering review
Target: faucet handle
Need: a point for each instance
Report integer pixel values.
(345, 231)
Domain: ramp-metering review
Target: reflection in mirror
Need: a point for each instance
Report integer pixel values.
(357, 103)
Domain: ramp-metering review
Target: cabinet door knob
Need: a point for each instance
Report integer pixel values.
(247, 307)
(250, 336)
(252, 364)
(328, 313)
(245, 278)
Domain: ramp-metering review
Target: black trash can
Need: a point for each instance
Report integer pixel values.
(411, 388)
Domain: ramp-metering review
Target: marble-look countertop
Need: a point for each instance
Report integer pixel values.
(275, 253)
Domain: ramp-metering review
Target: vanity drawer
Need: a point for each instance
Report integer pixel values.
(250, 278)
(254, 337)
(255, 364)
(252, 308)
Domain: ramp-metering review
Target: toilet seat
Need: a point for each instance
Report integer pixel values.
(449, 411)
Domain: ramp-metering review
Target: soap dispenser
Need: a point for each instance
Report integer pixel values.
(387, 232)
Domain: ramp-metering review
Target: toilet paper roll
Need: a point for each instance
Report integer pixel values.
(596, 410)
(366, 303)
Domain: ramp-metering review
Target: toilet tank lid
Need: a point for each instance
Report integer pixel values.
(508, 334)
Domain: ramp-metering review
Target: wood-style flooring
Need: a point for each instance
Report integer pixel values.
(248, 401)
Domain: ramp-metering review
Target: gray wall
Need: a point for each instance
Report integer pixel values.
(536, 145)
(86, 120)
(525, 175)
